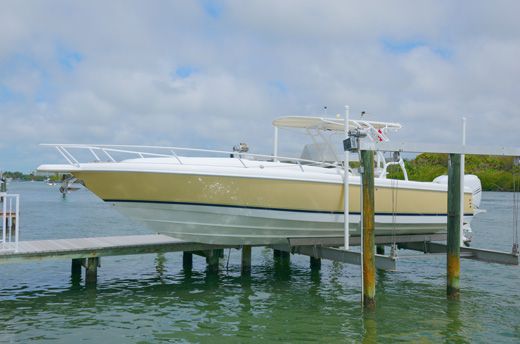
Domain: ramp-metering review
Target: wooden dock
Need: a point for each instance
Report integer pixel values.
(86, 252)
(97, 247)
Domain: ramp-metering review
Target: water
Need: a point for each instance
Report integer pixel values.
(149, 298)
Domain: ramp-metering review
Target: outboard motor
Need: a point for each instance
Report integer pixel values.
(473, 183)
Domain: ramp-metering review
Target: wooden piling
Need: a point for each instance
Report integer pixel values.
(75, 268)
(246, 259)
(315, 263)
(369, 262)
(212, 259)
(91, 270)
(3, 185)
(454, 213)
(187, 260)
(75, 271)
(282, 256)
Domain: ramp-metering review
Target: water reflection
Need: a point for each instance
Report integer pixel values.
(246, 314)
(454, 332)
(369, 327)
(160, 261)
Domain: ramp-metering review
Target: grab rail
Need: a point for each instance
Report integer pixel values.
(137, 150)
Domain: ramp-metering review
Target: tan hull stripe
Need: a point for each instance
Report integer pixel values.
(259, 193)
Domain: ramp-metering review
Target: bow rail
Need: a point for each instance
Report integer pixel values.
(110, 152)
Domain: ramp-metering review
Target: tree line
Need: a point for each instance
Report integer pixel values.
(496, 173)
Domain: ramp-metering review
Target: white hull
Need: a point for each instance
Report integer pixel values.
(249, 226)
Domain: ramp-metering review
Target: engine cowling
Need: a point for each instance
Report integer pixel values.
(471, 182)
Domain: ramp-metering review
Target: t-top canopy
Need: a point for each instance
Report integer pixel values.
(334, 124)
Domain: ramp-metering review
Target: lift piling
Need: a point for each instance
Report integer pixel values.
(369, 266)
(454, 216)
(455, 208)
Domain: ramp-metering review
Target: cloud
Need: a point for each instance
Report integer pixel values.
(211, 74)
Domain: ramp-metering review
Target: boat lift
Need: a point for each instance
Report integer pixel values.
(455, 213)
(87, 251)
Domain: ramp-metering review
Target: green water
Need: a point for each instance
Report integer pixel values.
(149, 298)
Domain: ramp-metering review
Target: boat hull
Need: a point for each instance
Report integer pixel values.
(263, 208)
(246, 226)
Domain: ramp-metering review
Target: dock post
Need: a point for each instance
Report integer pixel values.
(454, 213)
(285, 257)
(369, 262)
(246, 259)
(3, 184)
(281, 256)
(91, 270)
(212, 259)
(75, 268)
(187, 260)
(315, 263)
(75, 271)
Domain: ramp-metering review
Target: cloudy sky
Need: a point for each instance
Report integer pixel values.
(211, 74)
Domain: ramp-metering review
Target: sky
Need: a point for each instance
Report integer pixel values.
(211, 74)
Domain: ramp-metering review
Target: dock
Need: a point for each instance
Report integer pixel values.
(87, 252)
(76, 248)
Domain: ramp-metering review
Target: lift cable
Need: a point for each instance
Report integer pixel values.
(394, 187)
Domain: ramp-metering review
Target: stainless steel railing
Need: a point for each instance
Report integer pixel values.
(109, 152)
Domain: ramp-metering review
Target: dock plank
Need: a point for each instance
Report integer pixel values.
(98, 247)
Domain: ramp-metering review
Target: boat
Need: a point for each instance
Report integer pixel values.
(236, 197)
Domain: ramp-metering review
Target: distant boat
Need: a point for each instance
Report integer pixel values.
(50, 182)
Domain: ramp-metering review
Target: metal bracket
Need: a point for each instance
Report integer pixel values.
(393, 251)
(396, 156)
(351, 143)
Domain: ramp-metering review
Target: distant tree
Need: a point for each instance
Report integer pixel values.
(495, 173)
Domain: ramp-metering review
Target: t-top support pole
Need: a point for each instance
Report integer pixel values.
(275, 145)
(462, 171)
(346, 180)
